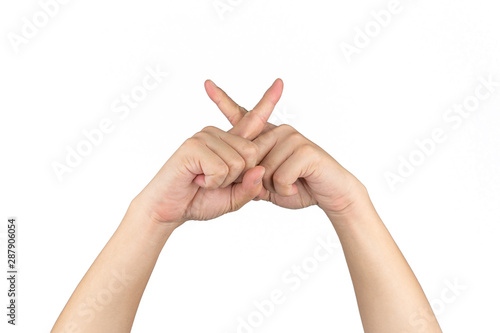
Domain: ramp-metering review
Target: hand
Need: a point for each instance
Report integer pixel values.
(197, 182)
(298, 172)
(203, 179)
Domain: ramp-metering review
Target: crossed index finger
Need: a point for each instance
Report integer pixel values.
(253, 122)
(233, 112)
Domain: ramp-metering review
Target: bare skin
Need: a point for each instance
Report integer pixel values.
(217, 172)
(300, 174)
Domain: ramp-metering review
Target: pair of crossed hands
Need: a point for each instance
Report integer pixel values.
(216, 172)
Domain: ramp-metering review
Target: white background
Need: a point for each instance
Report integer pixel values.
(366, 113)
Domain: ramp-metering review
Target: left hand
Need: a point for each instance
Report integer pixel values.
(298, 172)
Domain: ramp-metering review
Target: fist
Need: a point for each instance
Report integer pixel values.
(197, 182)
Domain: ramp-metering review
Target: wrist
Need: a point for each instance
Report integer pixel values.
(155, 210)
(359, 208)
(138, 219)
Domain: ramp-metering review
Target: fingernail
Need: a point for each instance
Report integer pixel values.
(212, 83)
(259, 180)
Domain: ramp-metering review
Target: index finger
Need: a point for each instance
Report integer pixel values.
(253, 122)
(233, 112)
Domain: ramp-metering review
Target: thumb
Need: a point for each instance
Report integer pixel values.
(246, 191)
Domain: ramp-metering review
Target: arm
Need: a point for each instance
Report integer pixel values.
(389, 296)
(108, 296)
(196, 183)
(300, 174)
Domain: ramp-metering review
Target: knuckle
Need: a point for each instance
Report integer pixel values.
(279, 178)
(222, 170)
(250, 152)
(201, 136)
(193, 142)
(238, 163)
(296, 137)
(215, 180)
(307, 150)
(286, 128)
(209, 129)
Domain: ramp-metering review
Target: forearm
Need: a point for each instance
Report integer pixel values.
(108, 296)
(388, 293)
